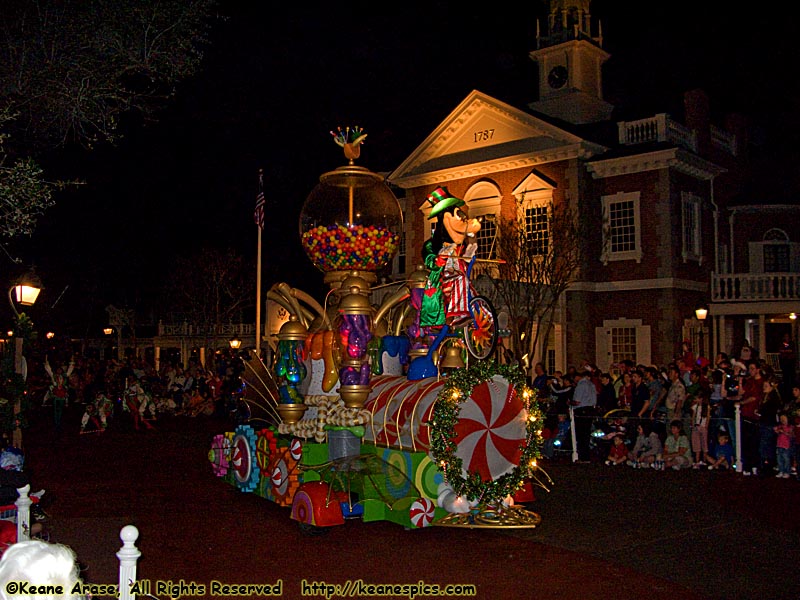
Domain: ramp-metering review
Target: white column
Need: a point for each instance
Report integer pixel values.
(573, 434)
(738, 426)
(23, 514)
(128, 556)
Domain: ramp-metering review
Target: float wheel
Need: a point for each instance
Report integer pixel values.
(480, 333)
(243, 459)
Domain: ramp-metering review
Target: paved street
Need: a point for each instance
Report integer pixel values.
(606, 532)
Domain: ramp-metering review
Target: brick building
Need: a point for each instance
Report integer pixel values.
(673, 231)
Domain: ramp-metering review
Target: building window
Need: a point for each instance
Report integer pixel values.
(483, 199)
(487, 246)
(623, 344)
(622, 231)
(692, 243)
(776, 252)
(776, 258)
(537, 230)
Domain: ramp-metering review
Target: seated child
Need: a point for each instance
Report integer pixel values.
(648, 448)
(557, 438)
(677, 451)
(618, 453)
(721, 457)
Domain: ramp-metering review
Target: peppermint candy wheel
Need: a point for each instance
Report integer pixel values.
(243, 459)
(280, 477)
(491, 430)
(421, 512)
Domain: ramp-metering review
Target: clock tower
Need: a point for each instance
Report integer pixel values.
(570, 60)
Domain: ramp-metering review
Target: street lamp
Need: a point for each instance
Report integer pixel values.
(235, 343)
(26, 290)
(108, 352)
(701, 312)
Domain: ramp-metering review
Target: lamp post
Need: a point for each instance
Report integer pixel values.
(26, 290)
(107, 331)
(701, 312)
(235, 343)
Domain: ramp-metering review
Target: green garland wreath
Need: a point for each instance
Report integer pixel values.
(457, 389)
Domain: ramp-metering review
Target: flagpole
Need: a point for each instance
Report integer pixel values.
(258, 268)
(258, 296)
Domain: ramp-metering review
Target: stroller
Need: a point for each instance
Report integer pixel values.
(605, 428)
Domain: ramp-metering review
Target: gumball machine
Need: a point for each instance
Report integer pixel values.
(351, 221)
(350, 227)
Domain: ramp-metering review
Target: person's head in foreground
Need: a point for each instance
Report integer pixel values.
(51, 568)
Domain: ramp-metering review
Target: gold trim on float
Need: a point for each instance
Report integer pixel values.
(410, 390)
(492, 517)
(386, 406)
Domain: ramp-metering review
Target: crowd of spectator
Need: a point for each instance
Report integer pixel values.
(680, 416)
(133, 386)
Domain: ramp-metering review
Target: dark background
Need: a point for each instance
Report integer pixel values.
(276, 81)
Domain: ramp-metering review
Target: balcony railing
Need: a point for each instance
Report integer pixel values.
(223, 330)
(659, 128)
(724, 140)
(751, 287)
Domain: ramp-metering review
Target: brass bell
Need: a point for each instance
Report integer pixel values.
(452, 358)
(293, 330)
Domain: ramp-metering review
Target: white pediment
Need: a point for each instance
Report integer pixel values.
(484, 135)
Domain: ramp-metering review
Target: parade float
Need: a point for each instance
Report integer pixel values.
(396, 411)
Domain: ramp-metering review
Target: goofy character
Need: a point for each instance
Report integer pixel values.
(445, 299)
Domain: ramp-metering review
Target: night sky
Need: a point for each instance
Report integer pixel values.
(275, 83)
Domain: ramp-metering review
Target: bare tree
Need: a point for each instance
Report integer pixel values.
(71, 69)
(211, 288)
(69, 72)
(542, 253)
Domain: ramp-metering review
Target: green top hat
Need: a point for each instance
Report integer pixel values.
(440, 199)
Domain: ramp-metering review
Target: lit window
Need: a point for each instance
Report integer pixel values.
(537, 230)
(487, 246)
(623, 344)
(622, 231)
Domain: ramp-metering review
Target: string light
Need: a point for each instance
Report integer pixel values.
(459, 385)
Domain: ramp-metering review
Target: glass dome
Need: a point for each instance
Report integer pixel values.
(351, 221)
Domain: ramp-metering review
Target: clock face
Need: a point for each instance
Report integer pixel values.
(557, 76)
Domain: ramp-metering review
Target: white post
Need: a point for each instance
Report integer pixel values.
(23, 514)
(738, 426)
(128, 555)
(573, 434)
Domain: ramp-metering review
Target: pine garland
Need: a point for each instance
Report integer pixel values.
(447, 407)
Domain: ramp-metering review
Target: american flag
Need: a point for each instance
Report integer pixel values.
(258, 215)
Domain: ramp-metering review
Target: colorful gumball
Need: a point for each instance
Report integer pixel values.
(338, 247)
